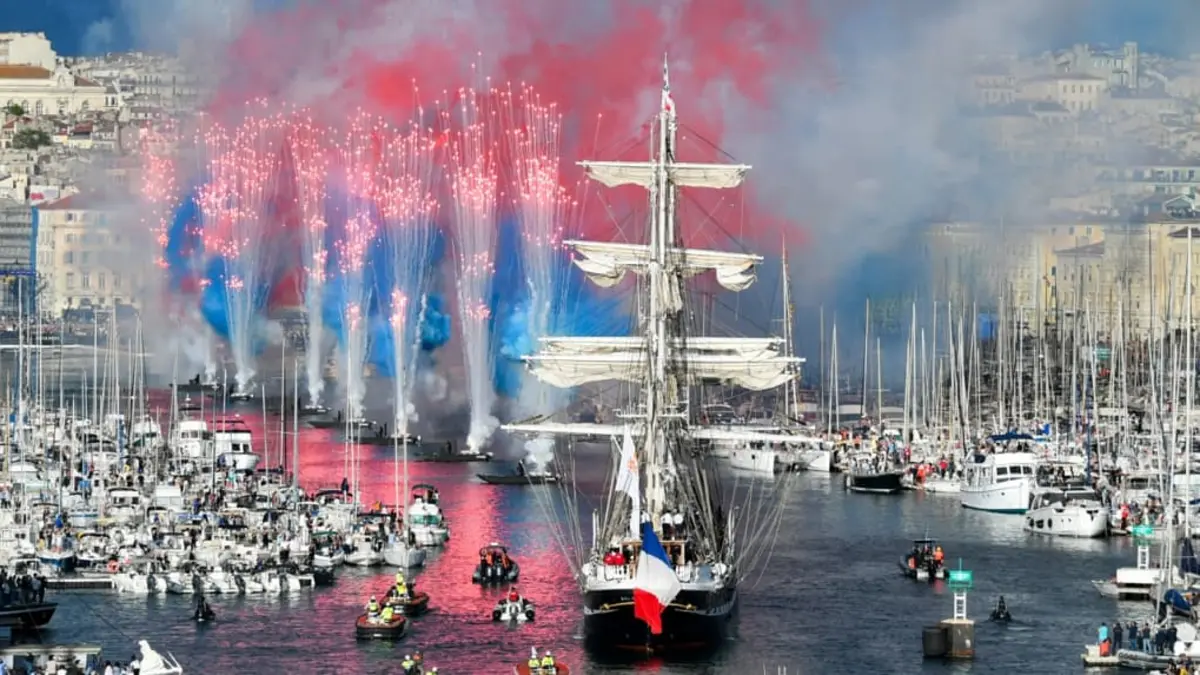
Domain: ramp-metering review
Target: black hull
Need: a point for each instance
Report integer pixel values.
(388, 441)
(191, 388)
(322, 576)
(513, 479)
(702, 628)
(27, 617)
(324, 424)
(457, 458)
(887, 483)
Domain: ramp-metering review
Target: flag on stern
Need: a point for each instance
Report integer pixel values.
(655, 584)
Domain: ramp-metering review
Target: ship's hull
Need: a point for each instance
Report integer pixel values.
(610, 624)
(886, 483)
(517, 479)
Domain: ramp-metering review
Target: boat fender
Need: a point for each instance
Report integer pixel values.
(113, 566)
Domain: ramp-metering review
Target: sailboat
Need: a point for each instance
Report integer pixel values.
(691, 530)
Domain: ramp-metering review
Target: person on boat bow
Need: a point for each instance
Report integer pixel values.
(514, 598)
(372, 608)
(387, 615)
(401, 590)
(409, 666)
(547, 664)
(535, 664)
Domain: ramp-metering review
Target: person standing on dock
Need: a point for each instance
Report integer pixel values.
(1118, 633)
(1101, 638)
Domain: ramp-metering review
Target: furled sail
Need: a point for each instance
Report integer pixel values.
(758, 371)
(605, 264)
(682, 174)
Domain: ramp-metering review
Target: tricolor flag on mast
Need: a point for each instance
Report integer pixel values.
(629, 482)
(655, 584)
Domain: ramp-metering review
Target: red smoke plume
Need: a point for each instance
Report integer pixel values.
(600, 61)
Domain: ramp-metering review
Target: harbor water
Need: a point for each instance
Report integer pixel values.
(831, 598)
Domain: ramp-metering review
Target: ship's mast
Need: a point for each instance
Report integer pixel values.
(662, 236)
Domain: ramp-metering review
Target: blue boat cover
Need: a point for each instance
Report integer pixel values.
(1174, 599)
(1188, 563)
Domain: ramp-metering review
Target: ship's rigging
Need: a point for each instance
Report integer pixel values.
(664, 364)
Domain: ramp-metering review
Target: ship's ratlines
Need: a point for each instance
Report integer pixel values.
(664, 475)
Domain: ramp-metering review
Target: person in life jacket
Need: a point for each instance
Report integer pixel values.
(408, 665)
(372, 607)
(548, 667)
(938, 555)
(400, 590)
(534, 662)
(387, 614)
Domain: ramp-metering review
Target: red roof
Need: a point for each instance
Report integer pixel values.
(13, 72)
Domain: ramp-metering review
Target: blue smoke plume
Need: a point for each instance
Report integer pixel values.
(577, 309)
(379, 280)
(183, 240)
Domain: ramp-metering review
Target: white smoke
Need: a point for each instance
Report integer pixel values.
(481, 432)
(539, 453)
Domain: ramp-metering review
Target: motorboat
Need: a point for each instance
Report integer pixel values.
(521, 476)
(941, 486)
(362, 551)
(999, 482)
(524, 669)
(1066, 513)
(233, 444)
(867, 474)
(375, 628)
(416, 602)
(191, 439)
(447, 455)
(403, 552)
(153, 663)
(921, 564)
(424, 517)
(495, 567)
(757, 457)
(30, 616)
(329, 551)
(124, 505)
(518, 611)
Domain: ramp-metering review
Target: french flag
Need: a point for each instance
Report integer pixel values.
(655, 584)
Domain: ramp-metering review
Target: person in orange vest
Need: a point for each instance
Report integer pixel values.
(938, 555)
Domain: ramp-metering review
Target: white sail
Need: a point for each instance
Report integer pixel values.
(605, 263)
(756, 374)
(682, 174)
(745, 347)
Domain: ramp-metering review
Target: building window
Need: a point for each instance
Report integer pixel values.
(100, 281)
(70, 280)
(84, 255)
(69, 258)
(116, 280)
(85, 280)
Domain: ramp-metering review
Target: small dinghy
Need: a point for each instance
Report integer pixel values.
(1000, 613)
(495, 567)
(322, 576)
(507, 610)
(524, 669)
(415, 603)
(204, 612)
(367, 628)
(921, 564)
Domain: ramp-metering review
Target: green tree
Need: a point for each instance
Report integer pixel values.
(15, 110)
(30, 139)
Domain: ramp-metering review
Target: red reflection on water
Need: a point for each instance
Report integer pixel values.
(458, 632)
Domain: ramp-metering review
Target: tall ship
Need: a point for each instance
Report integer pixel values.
(669, 511)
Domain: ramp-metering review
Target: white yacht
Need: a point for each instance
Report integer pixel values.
(1066, 513)
(124, 505)
(424, 517)
(191, 439)
(234, 445)
(1000, 482)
